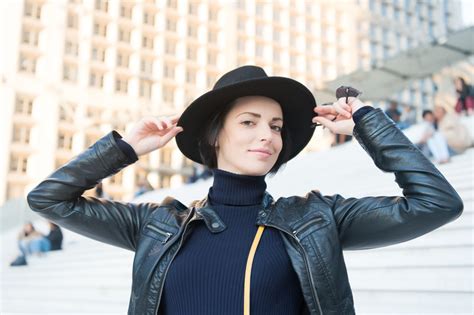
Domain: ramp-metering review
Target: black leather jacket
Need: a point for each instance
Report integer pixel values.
(315, 228)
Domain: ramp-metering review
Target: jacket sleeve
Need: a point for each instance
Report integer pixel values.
(59, 197)
(428, 201)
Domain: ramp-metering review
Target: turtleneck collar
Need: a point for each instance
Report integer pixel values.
(235, 189)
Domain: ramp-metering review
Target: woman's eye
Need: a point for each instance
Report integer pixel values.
(247, 123)
(277, 128)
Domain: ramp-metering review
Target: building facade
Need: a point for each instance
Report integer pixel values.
(74, 70)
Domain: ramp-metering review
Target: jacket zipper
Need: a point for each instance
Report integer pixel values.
(156, 229)
(301, 228)
(169, 264)
(305, 256)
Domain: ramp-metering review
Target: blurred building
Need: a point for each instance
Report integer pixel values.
(74, 70)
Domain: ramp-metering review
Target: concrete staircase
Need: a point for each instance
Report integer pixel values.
(430, 275)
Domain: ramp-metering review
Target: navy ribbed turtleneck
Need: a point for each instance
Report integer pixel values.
(207, 275)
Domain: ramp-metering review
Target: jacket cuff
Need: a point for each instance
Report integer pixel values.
(371, 124)
(361, 112)
(126, 148)
(113, 159)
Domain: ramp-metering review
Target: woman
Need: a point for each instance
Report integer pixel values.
(465, 101)
(32, 242)
(197, 259)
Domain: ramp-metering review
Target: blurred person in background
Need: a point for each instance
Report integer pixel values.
(465, 93)
(393, 112)
(408, 117)
(198, 259)
(432, 142)
(32, 242)
(453, 130)
(55, 236)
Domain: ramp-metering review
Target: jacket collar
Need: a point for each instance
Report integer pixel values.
(203, 211)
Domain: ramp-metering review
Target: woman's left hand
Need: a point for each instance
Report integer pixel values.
(337, 117)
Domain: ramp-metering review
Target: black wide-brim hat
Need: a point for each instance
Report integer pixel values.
(296, 101)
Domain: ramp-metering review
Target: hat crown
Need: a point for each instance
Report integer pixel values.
(240, 74)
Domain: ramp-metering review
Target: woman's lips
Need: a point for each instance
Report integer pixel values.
(261, 152)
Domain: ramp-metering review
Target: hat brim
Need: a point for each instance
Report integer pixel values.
(296, 101)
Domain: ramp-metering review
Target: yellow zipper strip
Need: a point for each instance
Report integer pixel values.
(248, 269)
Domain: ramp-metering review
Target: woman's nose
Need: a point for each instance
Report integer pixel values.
(266, 133)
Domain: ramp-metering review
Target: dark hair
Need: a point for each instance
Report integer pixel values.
(214, 125)
(426, 112)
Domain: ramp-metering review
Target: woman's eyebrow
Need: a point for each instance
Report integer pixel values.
(259, 116)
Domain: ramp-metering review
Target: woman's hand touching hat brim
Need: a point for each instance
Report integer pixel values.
(152, 133)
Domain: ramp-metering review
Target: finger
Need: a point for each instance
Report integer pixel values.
(174, 118)
(157, 122)
(343, 109)
(325, 122)
(322, 110)
(170, 134)
(327, 116)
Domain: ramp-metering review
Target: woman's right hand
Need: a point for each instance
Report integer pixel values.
(152, 133)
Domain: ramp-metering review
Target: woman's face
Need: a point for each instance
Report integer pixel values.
(250, 140)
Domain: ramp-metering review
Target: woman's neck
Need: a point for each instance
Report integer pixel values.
(235, 189)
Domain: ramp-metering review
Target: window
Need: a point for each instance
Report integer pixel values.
(168, 94)
(32, 9)
(213, 14)
(165, 181)
(259, 8)
(192, 30)
(276, 15)
(64, 140)
(241, 24)
(96, 79)
(90, 139)
(101, 5)
(149, 18)
(71, 48)
(24, 105)
(276, 55)
(212, 58)
(18, 163)
(72, 20)
(241, 44)
(147, 41)
(123, 59)
(70, 72)
(124, 35)
(170, 47)
(191, 53)
(211, 80)
(100, 29)
(98, 53)
(146, 65)
(21, 134)
(276, 35)
(30, 37)
(168, 71)
(126, 11)
(190, 76)
(27, 63)
(259, 50)
(171, 25)
(193, 8)
(259, 29)
(121, 85)
(66, 112)
(172, 4)
(213, 36)
(166, 154)
(145, 88)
